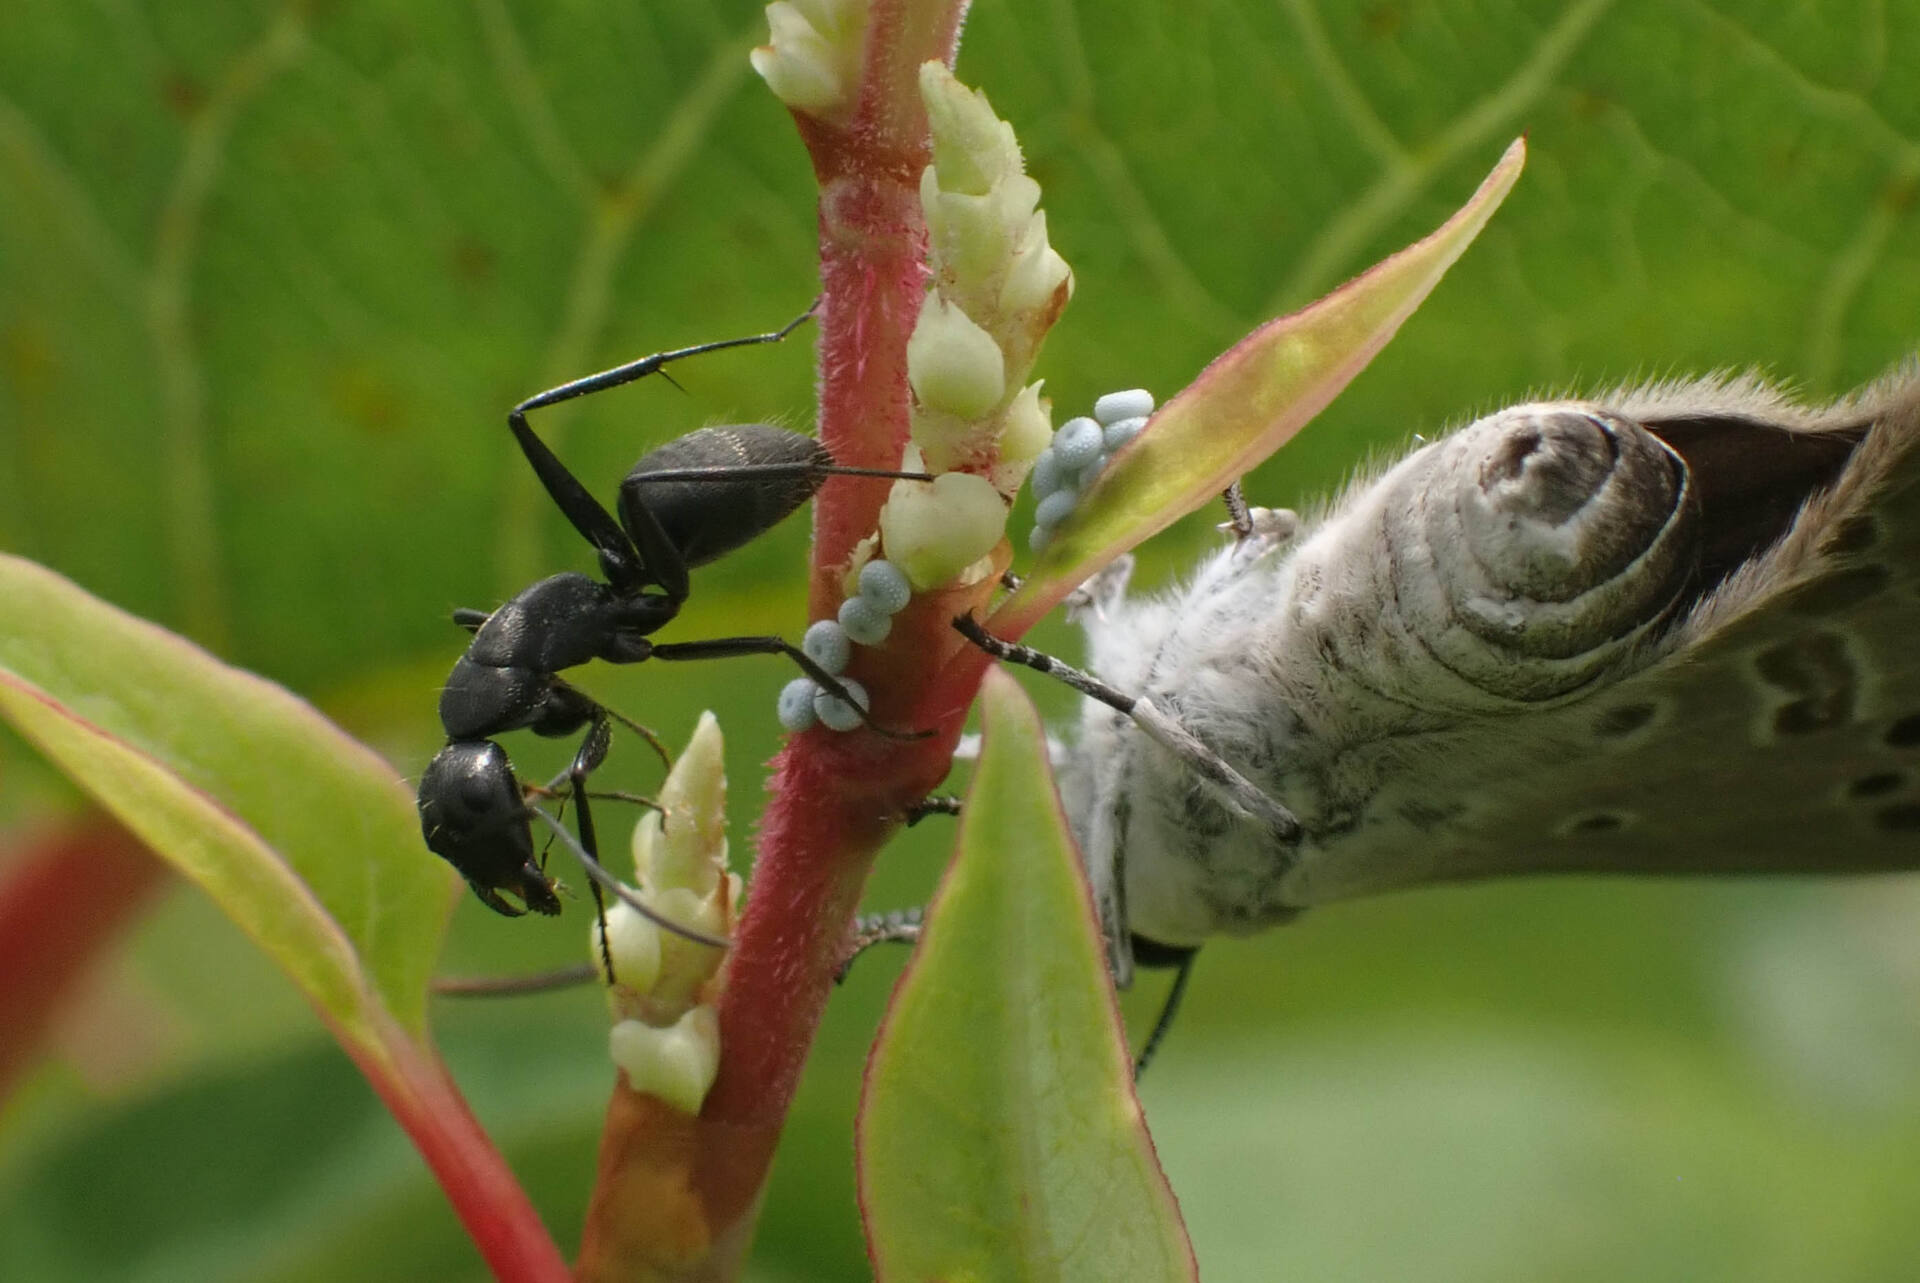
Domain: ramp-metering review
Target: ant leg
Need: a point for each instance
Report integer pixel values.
(1244, 795)
(665, 564)
(902, 926)
(727, 647)
(470, 619)
(593, 751)
(620, 561)
(772, 471)
(628, 569)
(633, 799)
(601, 710)
(640, 369)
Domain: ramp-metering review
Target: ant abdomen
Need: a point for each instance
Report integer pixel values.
(726, 491)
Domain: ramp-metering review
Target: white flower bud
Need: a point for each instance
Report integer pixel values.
(946, 440)
(952, 363)
(935, 531)
(686, 965)
(973, 238)
(633, 943)
(972, 147)
(1026, 429)
(1028, 426)
(676, 1064)
(799, 64)
(688, 847)
(1037, 273)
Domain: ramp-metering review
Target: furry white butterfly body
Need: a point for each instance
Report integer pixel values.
(1671, 630)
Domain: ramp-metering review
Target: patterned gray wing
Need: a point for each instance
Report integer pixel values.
(1777, 726)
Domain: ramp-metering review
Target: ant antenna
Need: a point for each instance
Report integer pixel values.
(596, 871)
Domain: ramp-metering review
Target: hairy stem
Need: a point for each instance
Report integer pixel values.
(677, 1196)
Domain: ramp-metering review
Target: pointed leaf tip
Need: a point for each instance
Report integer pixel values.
(999, 1136)
(1248, 403)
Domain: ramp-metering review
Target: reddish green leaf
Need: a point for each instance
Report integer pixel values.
(303, 836)
(999, 1136)
(1247, 404)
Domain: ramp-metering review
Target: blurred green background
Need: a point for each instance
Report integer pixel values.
(271, 273)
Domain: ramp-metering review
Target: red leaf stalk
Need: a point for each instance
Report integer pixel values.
(64, 901)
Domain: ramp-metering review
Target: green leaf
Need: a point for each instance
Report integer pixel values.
(303, 836)
(1248, 403)
(430, 211)
(999, 1137)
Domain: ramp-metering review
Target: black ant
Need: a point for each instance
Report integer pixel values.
(687, 503)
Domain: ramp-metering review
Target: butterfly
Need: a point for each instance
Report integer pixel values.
(1673, 629)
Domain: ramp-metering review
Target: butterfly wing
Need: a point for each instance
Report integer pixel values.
(1778, 728)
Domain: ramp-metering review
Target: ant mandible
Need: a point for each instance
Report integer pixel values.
(687, 503)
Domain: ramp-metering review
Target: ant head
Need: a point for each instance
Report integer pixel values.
(473, 817)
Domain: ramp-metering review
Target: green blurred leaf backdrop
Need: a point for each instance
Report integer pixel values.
(270, 275)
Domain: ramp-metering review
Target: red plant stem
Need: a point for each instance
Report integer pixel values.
(63, 902)
(414, 1085)
(71, 894)
(676, 1197)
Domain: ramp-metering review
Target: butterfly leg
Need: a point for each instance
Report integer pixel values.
(932, 804)
(1181, 960)
(1102, 593)
(902, 926)
(1239, 516)
(1236, 789)
(514, 986)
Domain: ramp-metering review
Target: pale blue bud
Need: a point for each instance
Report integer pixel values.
(884, 586)
(1077, 444)
(1134, 403)
(796, 703)
(835, 713)
(865, 622)
(826, 644)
